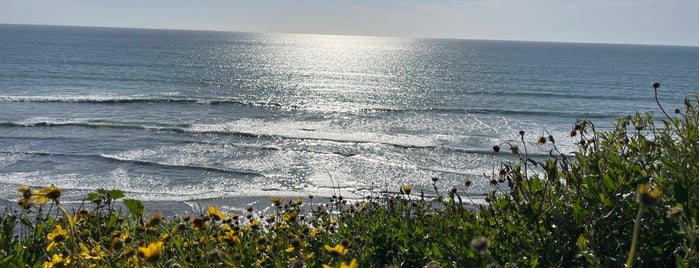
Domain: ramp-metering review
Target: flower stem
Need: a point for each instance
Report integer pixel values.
(634, 240)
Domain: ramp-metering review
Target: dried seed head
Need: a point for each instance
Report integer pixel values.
(480, 244)
(656, 85)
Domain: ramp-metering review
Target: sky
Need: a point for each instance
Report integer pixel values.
(667, 22)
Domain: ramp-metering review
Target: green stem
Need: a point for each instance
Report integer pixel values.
(634, 241)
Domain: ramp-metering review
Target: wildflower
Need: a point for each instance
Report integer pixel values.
(254, 224)
(298, 201)
(152, 251)
(502, 173)
(435, 179)
(333, 221)
(406, 189)
(514, 150)
(480, 244)
(337, 250)
(675, 212)
(49, 193)
(215, 214)
(468, 183)
(235, 216)
(277, 201)
(94, 254)
(572, 133)
(25, 203)
(551, 139)
(352, 264)
(280, 227)
(496, 148)
(648, 197)
(154, 219)
(117, 244)
(541, 140)
(57, 261)
(290, 216)
(316, 231)
(25, 191)
(656, 85)
(270, 218)
(199, 224)
(57, 236)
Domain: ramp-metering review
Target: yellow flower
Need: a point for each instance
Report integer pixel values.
(277, 201)
(25, 191)
(406, 188)
(338, 249)
(215, 214)
(56, 261)
(298, 201)
(351, 264)
(648, 197)
(254, 224)
(152, 251)
(333, 222)
(25, 203)
(290, 216)
(154, 219)
(57, 236)
(95, 253)
(45, 194)
(316, 231)
(289, 249)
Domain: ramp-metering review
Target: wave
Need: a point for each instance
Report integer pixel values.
(99, 99)
(112, 158)
(268, 130)
(504, 112)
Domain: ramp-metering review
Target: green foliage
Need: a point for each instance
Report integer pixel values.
(581, 210)
(135, 207)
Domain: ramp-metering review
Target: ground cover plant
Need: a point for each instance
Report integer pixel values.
(626, 197)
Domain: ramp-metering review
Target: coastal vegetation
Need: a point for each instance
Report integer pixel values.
(626, 197)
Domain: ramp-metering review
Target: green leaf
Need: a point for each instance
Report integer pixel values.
(116, 194)
(609, 182)
(502, 203)
(135, 207)
(582, 243)
(93, 197)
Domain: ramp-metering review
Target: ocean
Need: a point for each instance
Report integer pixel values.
(195, 117)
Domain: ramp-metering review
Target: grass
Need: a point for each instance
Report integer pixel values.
(627, 197)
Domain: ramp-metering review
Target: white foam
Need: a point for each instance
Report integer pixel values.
(318, 131)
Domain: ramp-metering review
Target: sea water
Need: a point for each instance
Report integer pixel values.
(191, 116)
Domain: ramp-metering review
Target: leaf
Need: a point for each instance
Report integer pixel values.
(502, 203)
(582, 243)
(116, 194)
(609, 182)
(135, 207)
(93, 197)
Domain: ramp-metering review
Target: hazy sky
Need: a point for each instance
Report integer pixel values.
(674, 22)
